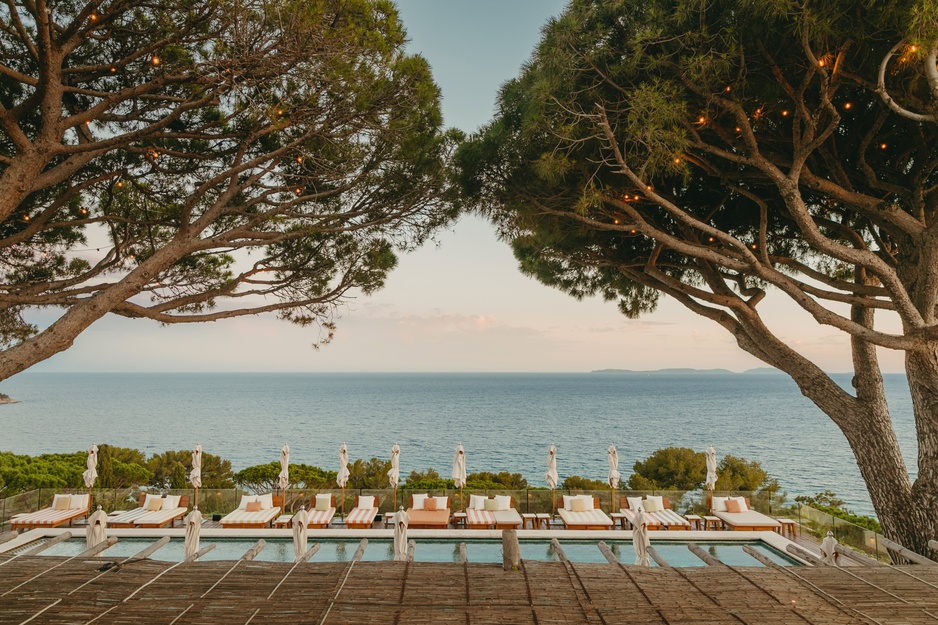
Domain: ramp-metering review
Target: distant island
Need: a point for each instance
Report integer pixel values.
(6, 399)
(685, 371)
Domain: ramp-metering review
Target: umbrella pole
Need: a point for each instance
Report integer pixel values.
(343, 502)
(90, 499)
(394, 507)
(710, 500)
(612, 504)
(552, 502)
(460, 497)
(196, 497)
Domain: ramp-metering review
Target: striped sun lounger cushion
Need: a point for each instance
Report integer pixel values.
(650, 521)
(320, 517)
(49, 516)
(669, 518)
(261, 517)
(127, 517)
(159, 517)
(587, 517)
(361, 515)
(479, 517)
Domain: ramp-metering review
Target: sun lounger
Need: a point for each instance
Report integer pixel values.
(589, 519)
(362, 516)
(321, 510)
(141, 516)
(503, 517)
(748, 520)
(480, 519)
(166, 515)
(421, 518)
(75, 507)
(665, 518)
(247, 517)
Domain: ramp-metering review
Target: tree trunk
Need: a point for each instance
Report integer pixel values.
(60, 335)
(908, 515)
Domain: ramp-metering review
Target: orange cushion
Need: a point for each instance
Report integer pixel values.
(733, 506)
(429, 503)
(254, 506)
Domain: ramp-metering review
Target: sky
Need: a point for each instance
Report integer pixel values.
(459, 303)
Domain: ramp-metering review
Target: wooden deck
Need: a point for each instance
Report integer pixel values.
(92, 590)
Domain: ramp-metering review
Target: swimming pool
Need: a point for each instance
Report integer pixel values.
(430, 550)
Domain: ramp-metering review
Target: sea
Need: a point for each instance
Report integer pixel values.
(505, 421)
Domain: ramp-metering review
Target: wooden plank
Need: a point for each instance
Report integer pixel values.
(911, 556)
(703, 555)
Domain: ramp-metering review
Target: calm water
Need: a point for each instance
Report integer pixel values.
(505, 421)
(675, 554)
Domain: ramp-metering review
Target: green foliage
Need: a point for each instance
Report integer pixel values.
(739, 474)
(575, 482)
(829, 503)
(262, 478)
(24, 473)
(502, 480)
(674, 468)
(427, 480)
(121, 467)
(371, 474)
(170, 470)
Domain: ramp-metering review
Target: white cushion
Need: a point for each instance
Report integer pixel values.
(245, 500)
(323, 501)
(654, 503)
(366, 501)
(719, 504)
(587, 501)
(61, 502)
(477, 502)
(568, 501)
(418, 501)
(442, 503)
(635, 503)
(267, 501)
(170, 502)
(742, 503)
(78, 502)
(504, 502)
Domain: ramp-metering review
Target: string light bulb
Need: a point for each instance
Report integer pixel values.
(848, 106)
(155, 60)
(785, 113)
(883, 146)
(297, 190)
(299, 159)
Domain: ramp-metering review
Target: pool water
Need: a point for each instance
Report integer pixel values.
(380, 550)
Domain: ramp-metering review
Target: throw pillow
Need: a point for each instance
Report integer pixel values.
(429, 504)
(578, 505)
(491, 505)
(155, 504)
(254, 506)
(61, 502)
(733, 506)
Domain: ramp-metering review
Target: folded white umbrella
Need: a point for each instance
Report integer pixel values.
(283, 480)
(459, 467)
(300, 532)
(640, 539)
(342, 478)
(193, 528)
(829, 549)
(711, 468)
(551, 475)
(195, 475)
(400, 535)
(394, 474)
(97, 528)
(614, 476)
(91, 473)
